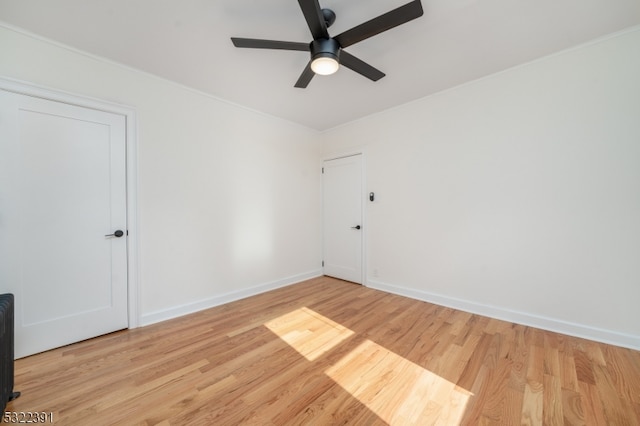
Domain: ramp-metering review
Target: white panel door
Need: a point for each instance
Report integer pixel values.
(342, 215)
(62, 192)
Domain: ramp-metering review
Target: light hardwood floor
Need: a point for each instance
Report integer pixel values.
(329, 352)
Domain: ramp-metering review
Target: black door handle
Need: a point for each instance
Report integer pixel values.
(116, 234)
(355, 227)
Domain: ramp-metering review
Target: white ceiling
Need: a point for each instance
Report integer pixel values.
(187, 41)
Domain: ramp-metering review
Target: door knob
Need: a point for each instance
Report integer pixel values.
(355, 227)
(116, 234)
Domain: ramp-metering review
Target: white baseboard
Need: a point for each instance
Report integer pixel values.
(524, 318)
(189, 308)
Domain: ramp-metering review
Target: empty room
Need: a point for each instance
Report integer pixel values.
(320, 212)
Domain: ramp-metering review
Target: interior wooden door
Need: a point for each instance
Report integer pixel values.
(342, 216)
(63, 250)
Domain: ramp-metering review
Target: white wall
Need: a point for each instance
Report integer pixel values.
(516, 196)
(229, 199)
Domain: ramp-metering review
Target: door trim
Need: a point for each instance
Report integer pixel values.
(365, 227)
(29, 89)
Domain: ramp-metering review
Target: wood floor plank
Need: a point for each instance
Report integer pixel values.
(532, 404)
(625, 376)
(572, 408)
(592, 405)
(325, 351)
(552, 401)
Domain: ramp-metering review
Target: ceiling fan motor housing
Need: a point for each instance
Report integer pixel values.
(325, 48)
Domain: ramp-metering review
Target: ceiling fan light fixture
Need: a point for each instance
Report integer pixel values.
(325, 56)
(325, 64)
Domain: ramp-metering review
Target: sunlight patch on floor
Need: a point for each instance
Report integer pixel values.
(308, 332)
(397, 390)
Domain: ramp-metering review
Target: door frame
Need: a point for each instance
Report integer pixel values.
(29, 89)
(363, 196)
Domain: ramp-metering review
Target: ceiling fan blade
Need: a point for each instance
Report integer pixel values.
(269, 44)
(398, 16)
(360, 66)
(315, 20)
(305, 77)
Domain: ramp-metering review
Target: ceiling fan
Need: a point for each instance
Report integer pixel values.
(327, 53)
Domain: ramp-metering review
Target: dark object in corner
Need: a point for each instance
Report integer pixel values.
(6, 350)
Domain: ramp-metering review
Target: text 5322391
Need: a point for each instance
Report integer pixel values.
(23, 417)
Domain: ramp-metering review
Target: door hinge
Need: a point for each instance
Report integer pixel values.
(323, 263)
(323, 170)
